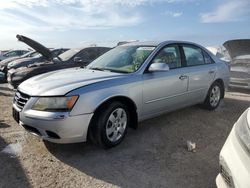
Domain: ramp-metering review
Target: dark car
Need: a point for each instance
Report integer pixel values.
(79, 57)
(46, 53)
(24, 62)
(4, 63)
(13, 53)
(1, 77)
(239, 51)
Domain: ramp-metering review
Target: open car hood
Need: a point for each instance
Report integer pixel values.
(35, 45)
(236, 48)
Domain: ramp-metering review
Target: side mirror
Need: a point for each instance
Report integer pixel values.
(158, 67)
(78, 59)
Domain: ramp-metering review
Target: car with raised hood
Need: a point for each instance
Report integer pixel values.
(128, 84)
(78, 57)
(239, 51)
(45, 54)
(235, 156)
(4, 63)
(13, 53)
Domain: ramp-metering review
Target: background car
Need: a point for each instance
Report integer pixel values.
(129, 83)
(13, 53)
(4, 63)
(46, 53)
(235, 156)
(239, 51)
(1, 77)
(79, 57)
(24, 62)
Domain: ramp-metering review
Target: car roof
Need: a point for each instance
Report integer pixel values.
(156, 43)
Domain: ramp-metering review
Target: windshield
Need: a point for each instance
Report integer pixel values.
(68, 54)
(125, 59)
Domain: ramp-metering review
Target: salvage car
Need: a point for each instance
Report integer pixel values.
(128, 84)
(78, 57)
(239, 51)
(13, 53)
(46, 53)
(4, 63)
(41, 57)
(235, 156)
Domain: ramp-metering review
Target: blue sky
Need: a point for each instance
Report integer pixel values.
(75, 23)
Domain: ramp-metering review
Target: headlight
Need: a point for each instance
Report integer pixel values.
(55, 104)
(243, 130)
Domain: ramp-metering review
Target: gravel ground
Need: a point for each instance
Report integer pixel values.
(155, 155)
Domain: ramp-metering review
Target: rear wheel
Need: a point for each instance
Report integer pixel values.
(110, 125)
(214, 96)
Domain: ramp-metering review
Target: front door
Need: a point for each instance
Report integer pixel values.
(164, 91)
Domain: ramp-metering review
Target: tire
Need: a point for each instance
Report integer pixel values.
(214, 96)
(110, 125)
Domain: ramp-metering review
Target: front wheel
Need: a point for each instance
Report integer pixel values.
(214, 96)
(110, 124)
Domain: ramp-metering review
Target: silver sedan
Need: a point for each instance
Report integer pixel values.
(128, 84)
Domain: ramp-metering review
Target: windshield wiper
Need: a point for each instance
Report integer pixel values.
(96, 68)
(117, 71)
(110, 70)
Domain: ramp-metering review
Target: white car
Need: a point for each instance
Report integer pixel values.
(235, 156)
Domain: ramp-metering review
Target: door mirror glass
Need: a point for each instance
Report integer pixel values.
(158, 67)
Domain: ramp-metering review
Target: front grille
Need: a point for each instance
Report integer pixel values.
(20, 99)
(226, 176)
(236, 74)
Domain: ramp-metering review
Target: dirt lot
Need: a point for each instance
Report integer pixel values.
(155, 155)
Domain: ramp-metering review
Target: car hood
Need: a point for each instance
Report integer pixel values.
(41, 64)
(59, 83)
(35, 45)
(237, 48)
(7, 61)
(18, 61)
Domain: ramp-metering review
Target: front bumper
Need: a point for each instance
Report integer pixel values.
(234, 160)
(57, 127)
(240, 83)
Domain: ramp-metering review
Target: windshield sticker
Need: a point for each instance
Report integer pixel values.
(148, 48)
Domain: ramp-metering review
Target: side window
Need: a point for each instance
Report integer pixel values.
(169, 55)
(10, 54)
(194, 55)
(208, 59)
(85, 55)
(22, 52)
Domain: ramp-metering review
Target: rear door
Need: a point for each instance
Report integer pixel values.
(201, 71)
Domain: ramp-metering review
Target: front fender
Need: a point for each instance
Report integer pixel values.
(90, 101)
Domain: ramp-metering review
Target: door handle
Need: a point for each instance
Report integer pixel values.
(211, 72)
(183, 77)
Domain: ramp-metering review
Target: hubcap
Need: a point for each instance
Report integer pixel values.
(116, 124)
(215, 96)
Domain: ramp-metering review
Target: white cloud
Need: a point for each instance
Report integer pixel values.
(74, 14)
(173, 14)
(226, 12)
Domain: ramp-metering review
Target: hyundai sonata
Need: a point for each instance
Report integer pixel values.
(129, 83)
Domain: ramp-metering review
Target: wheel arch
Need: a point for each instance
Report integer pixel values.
(221, 82)
(123, 99)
